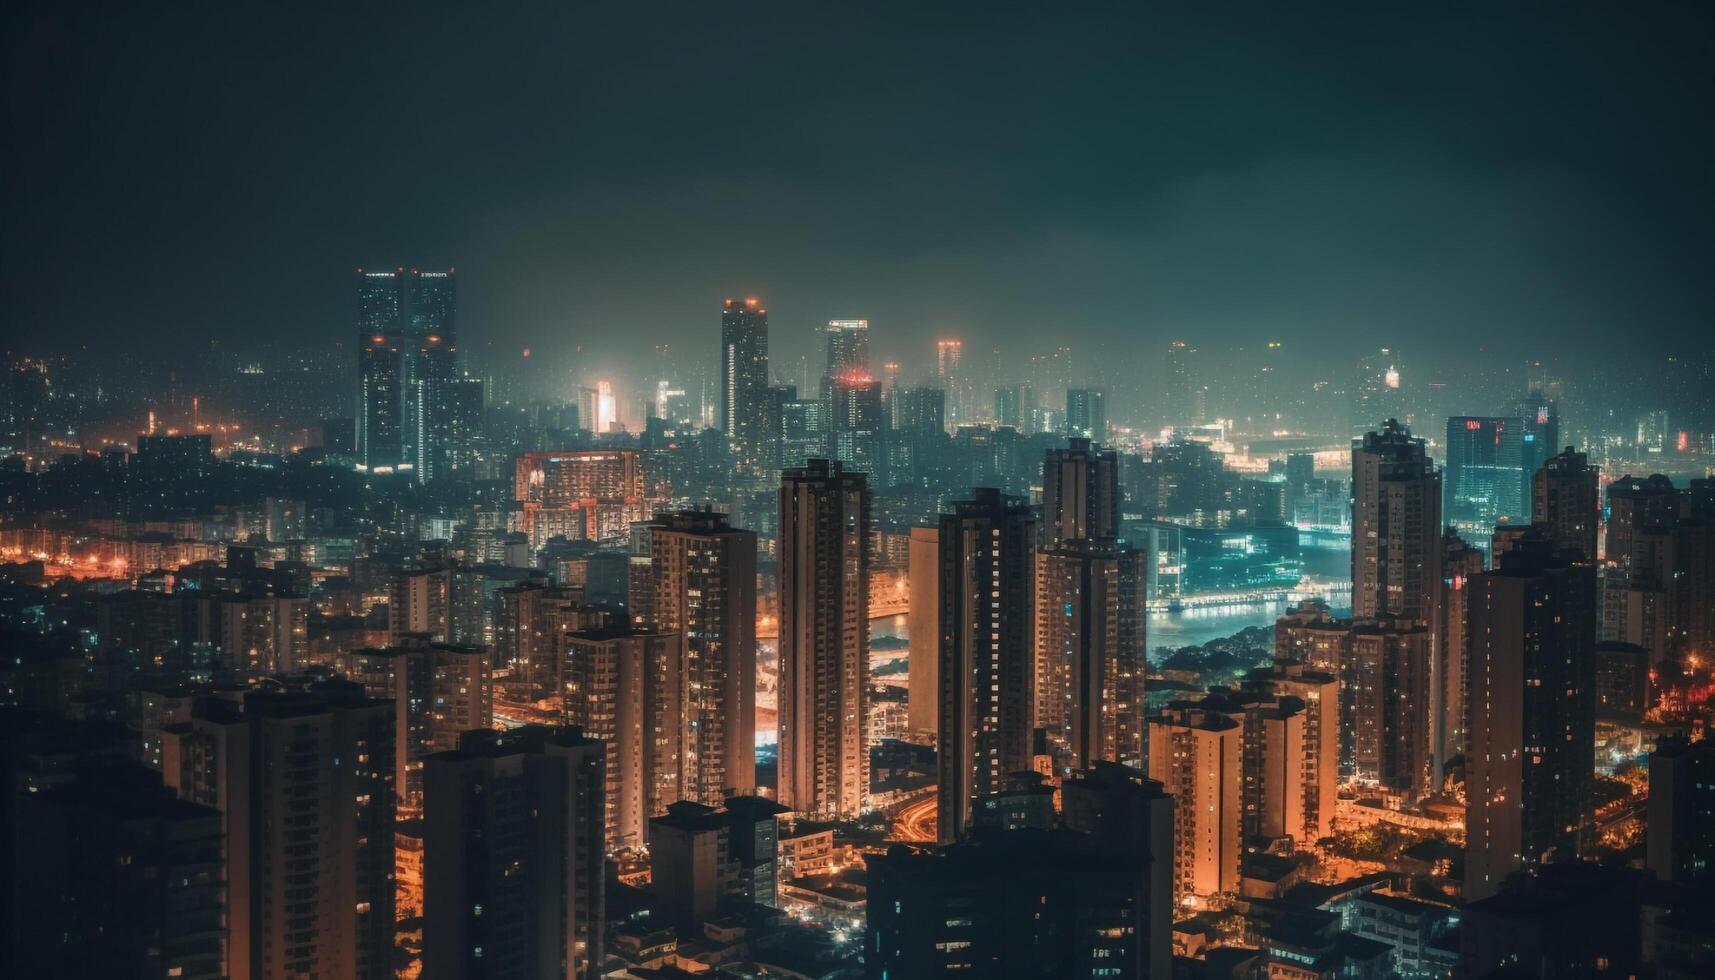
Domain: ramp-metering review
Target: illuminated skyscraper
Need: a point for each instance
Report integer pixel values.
(1080, 493)
(1396, 527)
(1087, 413)
(858, 425)
(987, 612)
(1460, 562)
(701, 582)
(1090, 651)
(824, 641)
(1530, 759)
(407, 367)
(1486, 481)
(848, 347)
(744, 382)
(1566, 502)
(1179, 387)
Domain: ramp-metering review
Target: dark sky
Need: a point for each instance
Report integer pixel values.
(603, 173)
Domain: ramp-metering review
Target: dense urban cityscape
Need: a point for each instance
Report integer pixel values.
(819, 640)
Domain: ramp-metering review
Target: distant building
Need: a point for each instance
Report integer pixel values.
(744, 384)
(1087, 413)
(1396, 527)
(1080, 493)
(1566, 502)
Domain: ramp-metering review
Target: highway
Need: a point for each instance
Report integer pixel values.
(915, 823)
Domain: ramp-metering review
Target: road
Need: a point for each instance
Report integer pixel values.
(915, 823)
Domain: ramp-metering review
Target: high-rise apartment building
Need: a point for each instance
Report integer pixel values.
(304, 782)
(1195, 753)
(744, 383)
(438, 690)
(1180, 403)
(923, 573)
(1298, 768)
(1460, 562)
(1090, 651)
(513, 856)
(627, 688)
(987, 611)
(1530, 754)
(1080, 493)
(1566, 502)
(1384, 700)
(701, 583)
(824, 641)
(1396, 527)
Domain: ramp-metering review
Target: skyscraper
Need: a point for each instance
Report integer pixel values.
(1448, 717)
(1178, 390)
(923, 571)
(857, 422)
(1530, 756)
(1486, 481)
(701, 582)
(987, 555)
(304, 781)
(1396, 527)
(1087, 413)
(1298, 765)
(407, 370)
(1384, 698)
(1080, 493)
(1090, 651)
(744, 382)
(513, 856)
(824, 641)
(848, 347)
(1566, 502)
(623, 686)
(1195, 753)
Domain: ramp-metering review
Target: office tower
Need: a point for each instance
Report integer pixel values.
(1195, 753)
(744, 381)
(116, 878)
(1006, 406)
(1450, 687)
(304, 782)
(1087, 413)
(987, 552)
(1178, 388)
(1396, 527)
(1681, 832)
(1385, 701)
(701, 583)
(950, 377)
(513, 861)
(626, 688)
(407, 362)
(1131, 816)
(804, 430)
(1540, 437)
(1566, 502)
(1302, 779)
(923, 625)
(421, 603)
(917, 427)
(1030, 903)
(380, 422)
(824, 641)
(1080, 493)
(438, 691)
(1485, 482)
(1090, 651)
(857, 424)
(1530, 757)
(848, 347)
(753, 844)
(691, 863)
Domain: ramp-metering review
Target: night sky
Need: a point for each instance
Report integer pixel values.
(604, 173)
